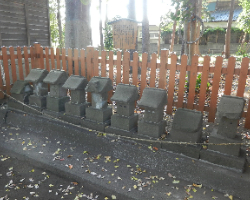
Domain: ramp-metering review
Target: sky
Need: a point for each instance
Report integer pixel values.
(156, 8)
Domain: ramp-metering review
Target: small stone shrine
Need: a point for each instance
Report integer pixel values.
(125, 121)
(153, 101)
(21, 90)
(98, 114)
(57, 96)
(77, 104)
(40, 89)
(229, 112)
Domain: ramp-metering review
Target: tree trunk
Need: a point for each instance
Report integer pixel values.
(228, 33)
(198, 13)
(77, 28)
(59, 24)
(100, 24)
(131, 15)
(173, 37)
(145, 28)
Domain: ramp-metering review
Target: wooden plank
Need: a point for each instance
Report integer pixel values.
(27, 68)
(153, 70)
(32, 58)
(58, 64)
(203, 86)
(76, 63)
(247, 121)
(90, 70)
(182, 80)
(143, 72)
(20, 64)
(13, 65)
(111, 75)
(52, 58)
(6, 69)
(95, 63)
(41, 58)
(126, 59)
(215, 88)
(171, 83)
(70, 67)
(192, 82)
(103, 64)
(162, 76)
(47, 58)
(243, 77)
(229, 76)
(135, 68)
(83, 68)
(118, 67)
(64, 60)
(37, 54)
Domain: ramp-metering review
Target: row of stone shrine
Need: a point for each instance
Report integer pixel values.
(97, 115)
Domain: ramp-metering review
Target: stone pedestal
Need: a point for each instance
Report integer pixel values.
(123, 122)
(56, 104)
(98, 115)
(151, 129)
(76, 109)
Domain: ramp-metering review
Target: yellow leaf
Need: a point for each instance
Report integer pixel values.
(113, 196)
(176, 181)
(130, 166)
(134, 186)
(106, 198)
(50, 185)
(169, 193)
(198, 185)
(230, 197)
(32, 170)
(194, 190)
(116, 166)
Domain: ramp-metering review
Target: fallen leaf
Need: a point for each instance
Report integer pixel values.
(74, 183)
(50, 185)
(113, 196)
(70, 166)
(175, 181)
(155, 148)
(198, 185)
(169, 193)
(69, 156)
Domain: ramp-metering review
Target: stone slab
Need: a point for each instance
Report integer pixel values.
(20, 97)
(99, 126)
(228, 127)
(154, 130)
(77, 120)
(57, 91)
(75, 109)
(56, 104)
(77, 96)
(237, 163)
(125, 123)
(192, 151)
(33, 109)
(14, 104)
(151, 115)
(146, 140)
(98, 115)
(126, 109)
(233, 150)
(37, 101)
(182, 136)
(117, 131)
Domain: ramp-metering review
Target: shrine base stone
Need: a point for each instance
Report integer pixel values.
(182, 136)
(98, 115)
(12, 104)
(117, 131)
(151, 129)
(124, 123)
(99, 126)
(56, 104)
(75, 109)
(38, 101)
(33, 109)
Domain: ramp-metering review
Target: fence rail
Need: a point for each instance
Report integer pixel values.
(161, 74)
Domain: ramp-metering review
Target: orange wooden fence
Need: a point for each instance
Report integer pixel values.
(162, 74)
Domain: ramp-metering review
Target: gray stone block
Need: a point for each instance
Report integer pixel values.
(125, 93)
(230, 107)
(40, 89)
(75, 109)
(125, 123)
(228, 127)
(57, 91)
(99, 101)
(56, 77)
(20, 97)
(192, 151)
(117, 131)
(98, 115)
(151, 129)
(36, 75)
(33, 109)
(233, 150)
(99, 126)
(56, 104)
(75, 82)
(237, 163)
(72, 119)
(21, 87)
(152, 115)
(38, 101)
(77, 96)
(126, 109)
(153, 98)
(12, 104)
(99, 85)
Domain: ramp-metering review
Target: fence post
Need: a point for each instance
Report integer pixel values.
(37, 55)
(90, 54)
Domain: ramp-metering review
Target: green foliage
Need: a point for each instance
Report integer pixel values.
(214, 30)
(108, 38)
(244, 17)
(242, 50)
(198, 83)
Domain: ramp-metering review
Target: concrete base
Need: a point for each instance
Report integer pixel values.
(77, 120)
(38, 101)
(154, 130)
(117, 131)
(99, 126)
(98, 115)
(33, 109)
(237, 163)
(14, 104)
(124, 123)
(183, 136)
(56, 104)
(233, 150)
(75, 109)
(192, 151)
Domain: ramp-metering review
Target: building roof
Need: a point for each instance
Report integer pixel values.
(223, 14)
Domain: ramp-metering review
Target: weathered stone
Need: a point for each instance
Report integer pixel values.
(151, 129)
(56, 104)
(36, 75)
(98, 115)
(40, 89)
(38, 101)
(57, 91)
(21, 87)
(13, 104)
(100, 85)
(124, 123)
(94, 125)
(56, 77)
(75, 109)
(228, 127)
(187, 126)
(125, 94)
(75, 82)
(125, 109)
(99, 101)
(77, 96)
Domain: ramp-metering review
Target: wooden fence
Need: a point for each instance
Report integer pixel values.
(153, 74)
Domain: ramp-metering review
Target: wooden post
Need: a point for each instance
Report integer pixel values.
(37, 55)
(90, 54)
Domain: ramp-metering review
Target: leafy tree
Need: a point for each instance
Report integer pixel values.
(244, 17)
